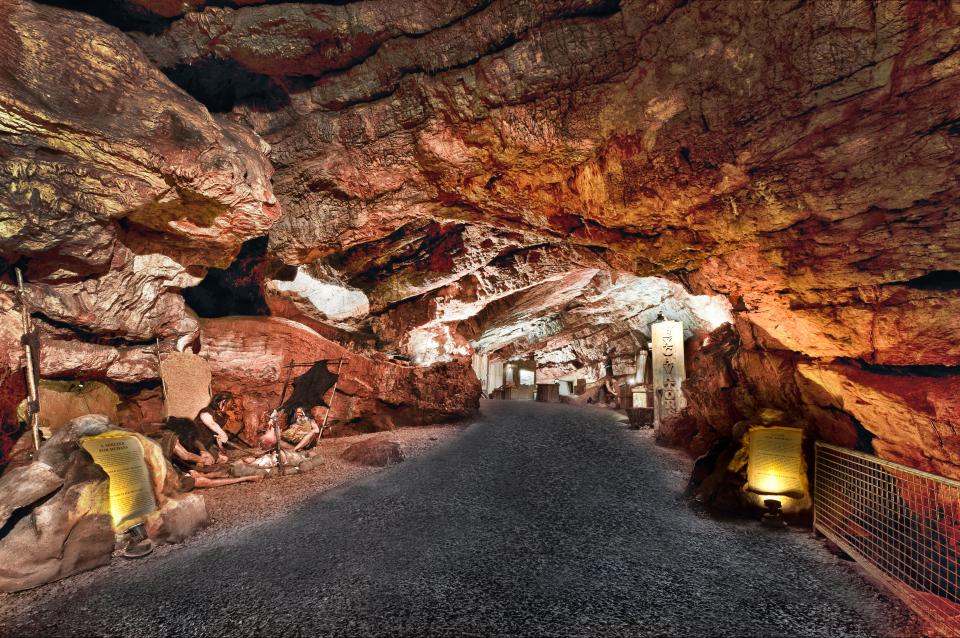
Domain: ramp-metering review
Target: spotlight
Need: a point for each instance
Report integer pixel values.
(138, 545)
(773, 517)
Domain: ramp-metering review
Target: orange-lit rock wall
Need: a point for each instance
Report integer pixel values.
(484, 175)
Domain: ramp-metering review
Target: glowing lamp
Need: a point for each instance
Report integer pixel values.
(775, 468)
(121, 456)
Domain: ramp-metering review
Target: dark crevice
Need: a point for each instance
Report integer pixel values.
(952, 127)
(939, 280)
(220, 85)
(931, 371)
(234, 290)
(601, 10)
(131, 389)
(232, 4)
(22, 512)
(65, 331)
(431, 249)
(864, 436)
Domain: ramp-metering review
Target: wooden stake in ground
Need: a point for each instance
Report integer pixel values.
(276, 420)
(31, 352)
(326, 414)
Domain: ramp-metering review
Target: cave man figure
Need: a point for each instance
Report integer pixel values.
(301, 433)
(210, 421)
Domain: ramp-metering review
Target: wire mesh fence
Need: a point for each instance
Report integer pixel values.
(902, 525)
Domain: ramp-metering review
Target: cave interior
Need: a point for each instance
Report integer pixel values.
(475, 198)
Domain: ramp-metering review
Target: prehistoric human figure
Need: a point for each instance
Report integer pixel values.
(302, 432)
(183, 461)
(210, 421)
(189, 445)
(200, 441)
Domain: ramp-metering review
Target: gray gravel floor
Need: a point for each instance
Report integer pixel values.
(539, 519)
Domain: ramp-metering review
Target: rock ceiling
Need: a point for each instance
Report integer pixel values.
(513, 176)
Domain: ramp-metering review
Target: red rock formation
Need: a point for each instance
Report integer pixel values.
(248, 356)
(93, 133)
(482, 175)
(114, 185)
(712, 389)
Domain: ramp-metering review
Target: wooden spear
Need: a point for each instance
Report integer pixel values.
(326, 414)
(33, 397)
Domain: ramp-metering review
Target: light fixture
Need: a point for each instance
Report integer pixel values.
(138, 545)
(773, 517)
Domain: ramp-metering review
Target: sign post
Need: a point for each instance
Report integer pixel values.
(668, 369)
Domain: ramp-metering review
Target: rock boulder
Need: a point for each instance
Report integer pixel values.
(377, 452)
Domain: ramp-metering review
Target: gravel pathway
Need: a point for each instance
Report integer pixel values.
(539, 519)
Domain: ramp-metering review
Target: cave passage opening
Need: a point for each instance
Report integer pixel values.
(596, 344)
(236, 289)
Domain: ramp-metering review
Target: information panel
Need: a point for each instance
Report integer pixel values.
(668, 369)
(120, 455)
(775, 462)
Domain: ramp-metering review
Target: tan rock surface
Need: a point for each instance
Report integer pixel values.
(113, 182)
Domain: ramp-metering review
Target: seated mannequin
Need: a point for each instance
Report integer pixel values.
(300, 434)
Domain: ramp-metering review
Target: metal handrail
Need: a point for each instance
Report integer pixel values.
(896, 466)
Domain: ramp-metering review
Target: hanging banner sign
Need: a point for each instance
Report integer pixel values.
(668, 370)
(120, 455)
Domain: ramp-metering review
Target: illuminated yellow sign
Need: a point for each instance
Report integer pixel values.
(120, 455)
(775, 461)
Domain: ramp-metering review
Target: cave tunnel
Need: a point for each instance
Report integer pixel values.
(650, 306)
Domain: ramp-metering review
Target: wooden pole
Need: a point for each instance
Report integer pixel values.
(326, 414)
(278, 450)
(33, 397)
(163, 382)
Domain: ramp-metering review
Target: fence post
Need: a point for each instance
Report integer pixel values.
(816, 476)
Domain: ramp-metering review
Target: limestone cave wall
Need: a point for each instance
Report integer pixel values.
(437, 178)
